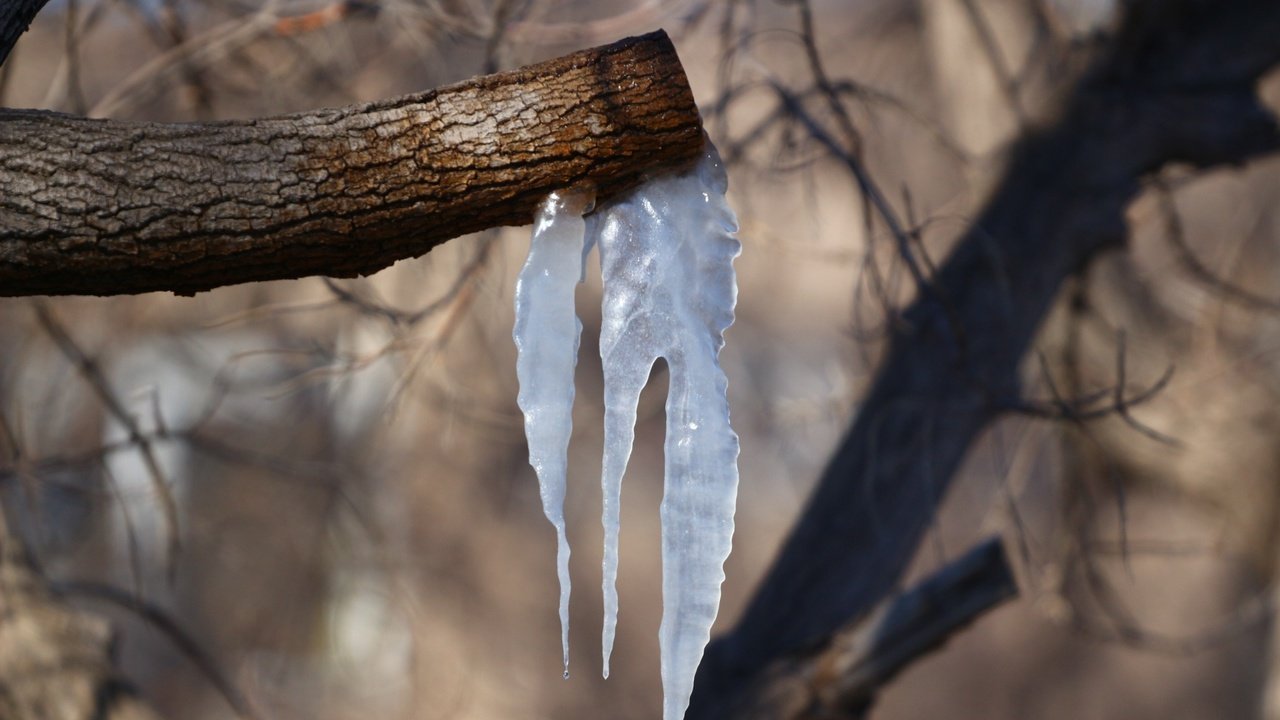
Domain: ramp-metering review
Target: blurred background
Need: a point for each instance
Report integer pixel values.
(325, 483)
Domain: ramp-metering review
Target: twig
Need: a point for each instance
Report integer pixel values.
(1175, 233)
(850, 155)
(1080, 409)
(92, 375)
(1122, 405)
(410, 318)
(1117, 624)
(865, 183)
(158, 618)
(324, 17)
(190, 56)
(991, 48)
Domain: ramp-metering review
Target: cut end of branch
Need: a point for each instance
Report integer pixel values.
(340, 192)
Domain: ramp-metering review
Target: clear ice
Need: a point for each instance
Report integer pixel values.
(546, 335)
(666, 256)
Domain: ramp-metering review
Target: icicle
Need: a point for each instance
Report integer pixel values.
(666, 253)
(546, 334)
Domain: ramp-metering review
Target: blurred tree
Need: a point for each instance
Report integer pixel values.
(1177, 84)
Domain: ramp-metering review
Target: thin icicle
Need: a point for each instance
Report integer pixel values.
(666, 253)
(547, 333)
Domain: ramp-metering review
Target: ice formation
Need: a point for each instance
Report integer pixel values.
(666, 254)
(546, 335)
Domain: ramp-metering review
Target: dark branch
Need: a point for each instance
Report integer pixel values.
(168, 626)
(842, 678)
(15, 18)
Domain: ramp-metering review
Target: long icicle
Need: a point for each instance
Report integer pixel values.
(547, 333)
(666, 254)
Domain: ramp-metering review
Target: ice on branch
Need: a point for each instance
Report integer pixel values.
(546, 335)
(666, 255)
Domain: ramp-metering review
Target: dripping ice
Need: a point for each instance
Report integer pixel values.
(546, 335)
(666, 254)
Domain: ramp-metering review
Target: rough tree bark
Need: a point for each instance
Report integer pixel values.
(1176, 85)
(97, 207)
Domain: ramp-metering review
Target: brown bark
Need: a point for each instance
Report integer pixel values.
(103, 207)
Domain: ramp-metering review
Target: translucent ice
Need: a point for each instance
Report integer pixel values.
(546, 335)
(666, 254)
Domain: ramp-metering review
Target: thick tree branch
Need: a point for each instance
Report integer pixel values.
(101, 207)
(841, 678)
(1178, 85)
(15, 18)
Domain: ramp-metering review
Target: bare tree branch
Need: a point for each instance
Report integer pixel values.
(1008, 82)
(1176, 234)
(15, 18)
(93, 375)
(102, 207)
(1176, 85)
(168, 626)
(841, 678)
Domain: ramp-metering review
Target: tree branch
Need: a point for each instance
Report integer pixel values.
(102, 207)
(841, 678)
(15, 18)
(1177, 85)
